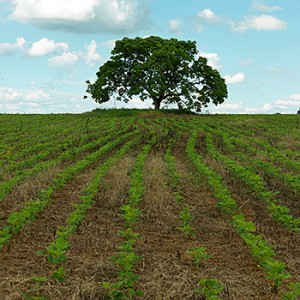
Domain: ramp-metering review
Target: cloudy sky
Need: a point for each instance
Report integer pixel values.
(49, 48)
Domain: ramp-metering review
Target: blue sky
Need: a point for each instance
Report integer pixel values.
(49, 48)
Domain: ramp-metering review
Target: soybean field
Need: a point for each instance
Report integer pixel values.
(138, 204)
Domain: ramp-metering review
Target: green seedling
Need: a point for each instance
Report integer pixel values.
(209, 290)
(199, 255)
(294, 293)
(130, 214)
(276, 273)
(38, 282)
(186, 217)
(59, 274)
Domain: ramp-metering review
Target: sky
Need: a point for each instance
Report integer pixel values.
(48, 49)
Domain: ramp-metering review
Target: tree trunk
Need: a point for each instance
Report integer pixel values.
(157, 103)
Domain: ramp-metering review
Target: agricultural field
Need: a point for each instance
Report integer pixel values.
(128, 204)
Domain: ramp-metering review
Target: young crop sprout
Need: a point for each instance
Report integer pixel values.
(186, 218)
(198, 255)
(32, 293)
(209, 290)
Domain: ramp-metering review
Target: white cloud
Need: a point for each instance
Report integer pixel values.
(114, 16)
(261, 22)
(109, 44)
(290, 101)
(251, 110)
(45, 46)
(245, 62)
(36, 10)
(229, 106)
(212, 59)
(205, 17)
(208, 16)
(8, 48)
(236, 78)
(91, 55)
(260, 6)
(175, 26)
(267, 107)
(9, 94)
(64, 60)
(36, 95)
(39, 100)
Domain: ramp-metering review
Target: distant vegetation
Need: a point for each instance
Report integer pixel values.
(144, 204)
(165, 71)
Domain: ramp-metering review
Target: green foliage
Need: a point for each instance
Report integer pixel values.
(209, 289)
(199, 255)
(59, 274)
(276, 272)
(294, 293)
(256, 183)
(186, 218)
(126, 260)
(130, 214)
(32, 293)
(163, 70)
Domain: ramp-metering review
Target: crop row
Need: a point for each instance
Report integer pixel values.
(256, 183)
(211, 287)
(18, 219)
(259, 247)
(7, 186)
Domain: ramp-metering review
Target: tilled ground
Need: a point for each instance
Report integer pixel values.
(166, 270)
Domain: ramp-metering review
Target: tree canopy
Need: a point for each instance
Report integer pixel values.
(164, 70)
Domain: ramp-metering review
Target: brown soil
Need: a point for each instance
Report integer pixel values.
(166, 270)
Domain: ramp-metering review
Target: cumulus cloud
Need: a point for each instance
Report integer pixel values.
(267, 107)
(64, 60)
(36, 95)
(175, 26)
(230, 106)
(45, 46)
(10, 48)
(9, 94)
(208, 16)
(115, 16)
(68, 58)
(236, 78)
(20, 100)
(109, 44)
(290, 101)
(261, 22)
(260, 6)
(212, 59)
(40, 100)
(91, 56)
(251, 110)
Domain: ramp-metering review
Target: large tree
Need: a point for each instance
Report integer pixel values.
(164, 70)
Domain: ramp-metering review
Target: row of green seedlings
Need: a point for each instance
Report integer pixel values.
(41, 151)
(277, 156)
(260, 249)
(68, 155)
(232, 144)
(211, 287)
(272, 131)
(42, 139)
(38, 151)
(29, 126)
(19, 219)
(255, 182)
(57, 251)
(290, 180)
(126, 258)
